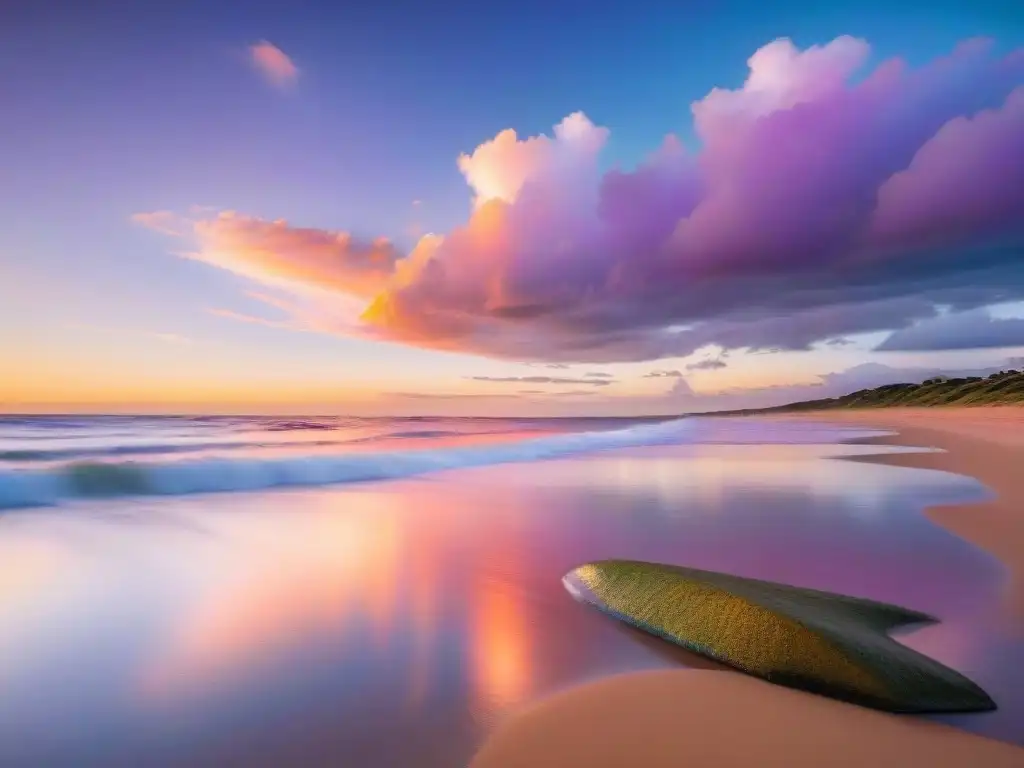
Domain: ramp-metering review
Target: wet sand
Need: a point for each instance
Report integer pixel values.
(986, 443)
(688, 717)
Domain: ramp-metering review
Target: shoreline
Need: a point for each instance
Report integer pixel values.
(985, 443)
(675, 717)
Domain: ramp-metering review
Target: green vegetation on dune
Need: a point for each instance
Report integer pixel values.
(1003, 388)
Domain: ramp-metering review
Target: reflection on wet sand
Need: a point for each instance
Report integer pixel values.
(423, 610)
(375, 561)
(276, 586)
(500, 637)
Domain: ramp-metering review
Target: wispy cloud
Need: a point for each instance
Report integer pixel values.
(603, 382)
(274, 64)
(175, 339)
(711, 364)
(165, 222)
(558, 393)
(253, 319)
(451, 396)
(172, 338)
(664, 375)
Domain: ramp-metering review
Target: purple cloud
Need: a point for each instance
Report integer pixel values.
(968, 177)
(824, 202)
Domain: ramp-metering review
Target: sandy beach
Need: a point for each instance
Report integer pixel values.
(689, 717)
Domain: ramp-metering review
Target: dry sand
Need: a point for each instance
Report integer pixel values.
(708, 719)
(721, 719)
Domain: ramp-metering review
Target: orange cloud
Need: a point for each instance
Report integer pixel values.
(275, 253)
(274, 64)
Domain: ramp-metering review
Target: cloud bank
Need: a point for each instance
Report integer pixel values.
(824, 201)
(975, 329)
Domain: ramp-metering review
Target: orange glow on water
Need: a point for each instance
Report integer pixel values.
(502, 663)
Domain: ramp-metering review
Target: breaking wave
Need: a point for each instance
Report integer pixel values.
(22, 487)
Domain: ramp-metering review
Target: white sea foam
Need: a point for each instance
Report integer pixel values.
(22, 487)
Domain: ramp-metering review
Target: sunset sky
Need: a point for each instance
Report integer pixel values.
(501, 209)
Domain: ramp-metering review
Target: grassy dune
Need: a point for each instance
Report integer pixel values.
(1003, 388)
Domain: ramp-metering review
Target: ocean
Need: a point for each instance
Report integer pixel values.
(382, 592)
(49, 459)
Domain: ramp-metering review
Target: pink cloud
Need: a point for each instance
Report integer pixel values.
(818, 205)
(274, 64)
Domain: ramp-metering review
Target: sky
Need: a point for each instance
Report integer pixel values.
(524, 209)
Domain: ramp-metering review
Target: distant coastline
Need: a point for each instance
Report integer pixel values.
(1002, 388)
